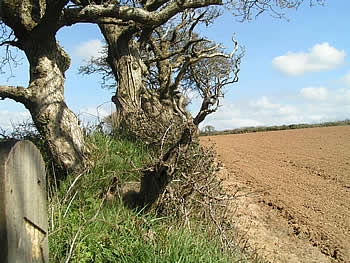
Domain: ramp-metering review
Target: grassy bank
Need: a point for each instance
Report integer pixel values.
(88, 225)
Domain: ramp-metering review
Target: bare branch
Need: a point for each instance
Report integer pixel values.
(7, 41)
(249, 9)
(211, 75)
(100, 66)
(92, 13)
(16, 93)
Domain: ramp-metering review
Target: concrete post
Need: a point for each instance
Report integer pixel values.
(23, 203)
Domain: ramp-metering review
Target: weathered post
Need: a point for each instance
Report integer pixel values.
(23, 212)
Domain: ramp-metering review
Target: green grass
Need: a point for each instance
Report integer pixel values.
(83, 227)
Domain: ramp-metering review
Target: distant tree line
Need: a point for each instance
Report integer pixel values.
(210, 130)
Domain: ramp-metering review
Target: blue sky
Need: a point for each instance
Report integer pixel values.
(293, 71)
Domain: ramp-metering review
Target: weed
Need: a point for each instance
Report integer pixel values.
(86, 226)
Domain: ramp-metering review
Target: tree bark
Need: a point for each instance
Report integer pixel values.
(54, 120)
(34, 24)
(152, 117)
(123, 58)
(141, 111)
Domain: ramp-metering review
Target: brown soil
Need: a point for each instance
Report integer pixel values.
(295, 185)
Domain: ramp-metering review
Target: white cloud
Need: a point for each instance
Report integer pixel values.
(86, 50)
(228, 116)
(342, 96)
(9, 119)
(95, 114)
(346, 79)
(314, 93)
(287, 110)
(258, 112)
(320, 57)
(90, 115)
(265, 106)
(313, 105)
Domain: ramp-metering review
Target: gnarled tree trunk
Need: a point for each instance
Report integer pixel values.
(54, 120)
(145, 113)
(152, 117)
(127, 68)
(34, 25)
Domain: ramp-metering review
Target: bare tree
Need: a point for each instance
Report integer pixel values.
(170, 60)
(129, 27)
(151, 67)
(33, 26)
(151, 64)
(209, 129)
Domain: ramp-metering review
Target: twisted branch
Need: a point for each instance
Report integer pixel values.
(16, 93)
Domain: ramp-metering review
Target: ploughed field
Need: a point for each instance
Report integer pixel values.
(296, 186)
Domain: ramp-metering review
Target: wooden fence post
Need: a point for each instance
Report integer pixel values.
(23, 203)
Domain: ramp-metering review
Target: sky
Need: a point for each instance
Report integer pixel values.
(295, 70)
